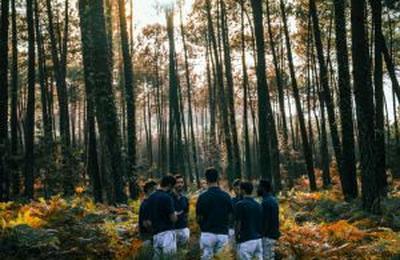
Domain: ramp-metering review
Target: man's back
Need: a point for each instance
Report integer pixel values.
(160, 207)
(248, 214)
(213, 209)
(270, 222)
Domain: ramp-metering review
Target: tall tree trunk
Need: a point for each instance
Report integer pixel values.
(59, 63)
(129, 100)
(279, 82)
(247, 150)
(306, 146)
(4, 28)
(14, 102)
(92, 165)
(220, 93)
(365, 111)
(324, 78)
(269, 158)
(379, 94)
(30, 113)
(175, 133)
(48, 135)
(189, 93)
(230, 91)
(349, 177)
(106, 112)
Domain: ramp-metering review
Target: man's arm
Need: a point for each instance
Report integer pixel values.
(170, 209)
(238, 218)
(173, 217)
(199, 209)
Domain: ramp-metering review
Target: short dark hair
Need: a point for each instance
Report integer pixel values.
(149, 185)
(211, 175)
(247, 187)
(236, 183)
(167, 180)
(264, 187)
(178, 176)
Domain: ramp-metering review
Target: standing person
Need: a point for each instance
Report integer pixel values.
(144, 223)
(181, 203)
(162, 217)
(203, 186)
(238, 197)
(248, 224)
(213, 210)
(270, 219)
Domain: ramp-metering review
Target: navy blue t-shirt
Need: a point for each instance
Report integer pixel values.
(235, 200)
(160, 206)
(248, 213)
(181, 204)
(213, 209)
(270, 223)
(143, 215)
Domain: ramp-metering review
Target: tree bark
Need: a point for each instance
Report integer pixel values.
(269, 158)
(4, 28)
(30, 113)
(129, 100)
(14, 103)
(365, 111)
(230, 91)
(106, 112)
(306, 146)
(350, 189)
(376, 6)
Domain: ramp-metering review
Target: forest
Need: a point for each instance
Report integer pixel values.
(97, 97)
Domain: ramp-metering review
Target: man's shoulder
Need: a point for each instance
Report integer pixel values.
(270, 200)
(224, 194)
(144, 203)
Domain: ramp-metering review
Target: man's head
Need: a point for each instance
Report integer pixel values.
(264, 187)
(167, 182)
(236, 187)
(180, 183)
(149, 187)
(203, 184)
(211, 176)
(246, 188)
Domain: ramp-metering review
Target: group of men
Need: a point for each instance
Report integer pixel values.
(252, 227)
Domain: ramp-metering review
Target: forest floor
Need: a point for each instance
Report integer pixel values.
(314, 226)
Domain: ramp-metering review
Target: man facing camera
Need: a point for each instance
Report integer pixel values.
(181, 203)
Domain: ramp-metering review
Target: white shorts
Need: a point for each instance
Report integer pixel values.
(251, 249)
(164, 244)
(211, 244)
(268, 248)
(182, 236)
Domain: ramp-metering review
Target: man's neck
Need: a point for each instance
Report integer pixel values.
(267, 194)
(247, 196)
(165, 189)
(213, 185)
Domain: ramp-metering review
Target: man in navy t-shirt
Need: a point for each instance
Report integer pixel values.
(248, 222)
(214, 210)
(163, 217)
(270, 224)
(181, 203)
(238, 197)
(144, 222)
